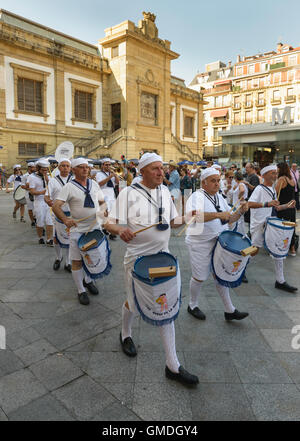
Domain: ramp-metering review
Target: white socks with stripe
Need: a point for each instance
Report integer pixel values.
(127, 320)
(195, 289)
(78, 279)
(167, 334)
(225, 296)
(279, 270)
(68, 260)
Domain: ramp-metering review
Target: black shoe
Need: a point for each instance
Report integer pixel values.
(41, 241)
(196, 312)
(182, 376)
(50, 243)
(22, 219)
(91, 287)
(236, 315)
(112, 236)
(128, 346)
(285, 287)
(105, 232)
(56, 264)
(68, 268)
(244, 279)
(33, 224)
(83, 298)
(14, 215)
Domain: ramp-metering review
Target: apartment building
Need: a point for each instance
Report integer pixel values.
(254, 112)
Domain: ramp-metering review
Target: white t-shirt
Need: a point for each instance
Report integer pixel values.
(137, 180)
(12, 179)
(193, 171)
(236, 192)
(133, 209)
(54, 188)
(259, 215)
(207, 230)
(107, 191)
(75, 198)
(36, 182)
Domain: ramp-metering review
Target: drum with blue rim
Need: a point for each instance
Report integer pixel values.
(277, 237)
(156, 285)
(228, 264)
(95, 253)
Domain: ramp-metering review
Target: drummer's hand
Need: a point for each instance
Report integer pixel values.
(291, 204)
(224, 215)
(126, 234)
(243, 207)
(69, 223)
(273, 203)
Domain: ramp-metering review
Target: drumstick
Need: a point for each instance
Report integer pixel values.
(80, 220)
(239, 200)
(144, 229)
(187, 225)
(279, 191)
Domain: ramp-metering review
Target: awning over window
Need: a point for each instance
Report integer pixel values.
(216, 83)
(219, 113)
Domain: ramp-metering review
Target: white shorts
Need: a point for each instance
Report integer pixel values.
(42, 214)
(257, 236)
(29, 203)
(74, 251)
(200, 258)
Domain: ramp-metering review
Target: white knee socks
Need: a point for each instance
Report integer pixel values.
(195, 288)
(167, 334)
(68, 260)
(127, 320)
(279, 270)
(78, 279)
(58, 251)
(225, 296)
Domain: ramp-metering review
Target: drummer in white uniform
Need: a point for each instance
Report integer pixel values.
(37, 183)
(29, 197)
(261, 202)
(134, 209)
(54, 187)
(16, 179)
(107, 180)
(84, 197)
(212, 217)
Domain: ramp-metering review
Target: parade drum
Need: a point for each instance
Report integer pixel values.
(19, 195)
(228, 264)
(156, 285)
(95, 253)
(277, 237)
(61, 232)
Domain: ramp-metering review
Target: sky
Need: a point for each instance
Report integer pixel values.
(201, 31)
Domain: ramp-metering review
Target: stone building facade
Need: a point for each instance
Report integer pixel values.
(111, 99)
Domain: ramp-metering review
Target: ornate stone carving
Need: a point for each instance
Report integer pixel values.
(149, 16)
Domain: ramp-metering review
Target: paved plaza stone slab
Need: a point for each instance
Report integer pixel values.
(163, 401)
(259, 367)
(64, 361)
(35, 351)
(221, 402)
(274, 402)
(55, 371)
(46, 408)
(18, 389)
(84, 397)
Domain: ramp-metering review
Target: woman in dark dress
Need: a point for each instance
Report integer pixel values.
(285, 187)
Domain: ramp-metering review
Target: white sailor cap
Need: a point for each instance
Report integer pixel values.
(147, 159)
(64, 160)
(17, 166)
(209, 172)
(43, 163)
(272, 167)
(79, 161)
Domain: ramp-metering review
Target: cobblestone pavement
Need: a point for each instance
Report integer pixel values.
(63, 361)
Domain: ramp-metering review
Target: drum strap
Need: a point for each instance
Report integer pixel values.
(216, 203)
(58, 178)
(150, 199)
(268, 190)
(42, 178)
